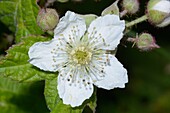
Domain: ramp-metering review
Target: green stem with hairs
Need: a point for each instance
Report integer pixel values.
(138, 20)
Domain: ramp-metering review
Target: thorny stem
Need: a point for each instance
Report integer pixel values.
(138, 20)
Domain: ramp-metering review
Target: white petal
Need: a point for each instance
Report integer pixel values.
(74, 92)
(165, 22)
(41, 55)
(71, 25)
(108, 29)
(116, 75)
(163, 5)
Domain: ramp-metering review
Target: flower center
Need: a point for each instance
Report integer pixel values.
(81, 55)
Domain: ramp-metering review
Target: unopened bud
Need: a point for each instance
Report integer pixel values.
(146, 42)
(47, 19)
(131, 6)
(158, 12)
(112, 9)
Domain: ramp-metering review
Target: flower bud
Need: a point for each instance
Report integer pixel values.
(47, 19)
(146, 42)
(131, 6)
(112, 9)
(158, 12)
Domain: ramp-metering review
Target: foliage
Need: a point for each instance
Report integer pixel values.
(20, 17)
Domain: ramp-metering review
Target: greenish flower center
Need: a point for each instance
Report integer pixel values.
(81, 55)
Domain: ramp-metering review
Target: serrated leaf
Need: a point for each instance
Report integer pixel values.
(14, 94)
(15, 65)
(51, 93)
(62, 108)
(8, 90)
(20, 17)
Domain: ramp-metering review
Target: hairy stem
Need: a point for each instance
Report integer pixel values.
(138, 20)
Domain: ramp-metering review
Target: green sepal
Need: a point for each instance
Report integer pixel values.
(112, 9)
(88, 18)
(156, 17)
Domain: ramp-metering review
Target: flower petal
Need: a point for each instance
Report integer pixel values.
(163, 6)
(165, 22)
(74, 91)
(107, 31)
(70, 26)
(116, 75)
(43, 55)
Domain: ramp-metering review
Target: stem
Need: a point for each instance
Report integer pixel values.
(138, 20)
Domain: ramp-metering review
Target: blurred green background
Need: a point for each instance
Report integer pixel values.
(148, 90)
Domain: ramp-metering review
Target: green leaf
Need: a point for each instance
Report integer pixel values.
(93, 101)
(15, 65)
(51, 93)
(62, 108)
(14, 94)
(8, 90)
(20, 17)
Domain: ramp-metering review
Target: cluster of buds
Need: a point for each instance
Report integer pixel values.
(144, 42)
(158, 12)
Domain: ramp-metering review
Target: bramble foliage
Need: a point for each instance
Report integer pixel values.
(20, 17)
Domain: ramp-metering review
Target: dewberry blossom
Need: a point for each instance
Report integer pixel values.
(81, 56)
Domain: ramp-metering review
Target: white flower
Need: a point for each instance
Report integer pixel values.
(80, 56)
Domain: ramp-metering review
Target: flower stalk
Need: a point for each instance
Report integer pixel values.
(136, 21)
